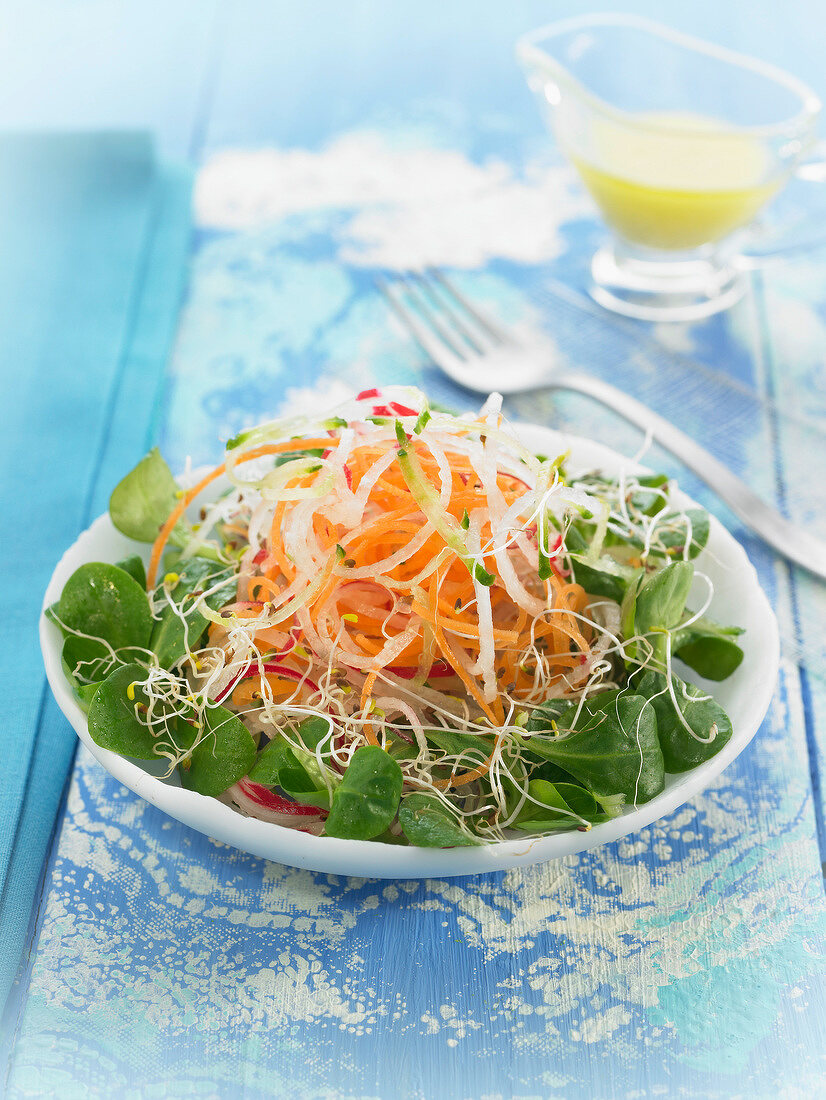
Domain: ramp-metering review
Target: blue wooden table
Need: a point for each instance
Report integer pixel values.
(687, 960)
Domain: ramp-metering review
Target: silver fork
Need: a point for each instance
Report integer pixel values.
(473, 350)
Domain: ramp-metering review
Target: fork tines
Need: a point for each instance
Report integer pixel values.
(439, 316)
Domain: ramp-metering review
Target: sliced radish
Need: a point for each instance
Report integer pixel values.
(263, 796)
(276, 670)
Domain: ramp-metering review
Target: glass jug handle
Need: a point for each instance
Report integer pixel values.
(804, 232)
(813, 166)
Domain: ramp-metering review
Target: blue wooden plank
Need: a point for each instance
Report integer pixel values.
(132, 260)
(794, 315)
(101, 65)
(74, 213)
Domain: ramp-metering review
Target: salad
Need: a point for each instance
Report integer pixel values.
(394, 623)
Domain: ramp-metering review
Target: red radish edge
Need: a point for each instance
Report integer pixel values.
(263, 796)
(278, 670)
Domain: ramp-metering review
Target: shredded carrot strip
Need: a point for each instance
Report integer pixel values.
(213, 475)
(469, 776)
(250, 689)
(366, 696)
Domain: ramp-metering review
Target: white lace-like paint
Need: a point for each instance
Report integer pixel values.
(411, 206)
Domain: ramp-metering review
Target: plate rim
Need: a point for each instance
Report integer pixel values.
(365, 858)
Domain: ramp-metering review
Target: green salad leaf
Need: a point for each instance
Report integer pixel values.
(181, 623)
(708, 648)
(611, 748)
(222, 756)
(133, 565)
(645, 498)
(709, 723)
(105, 602)
(558, 806)
(662, 598)
(86, 661)
(85, 693)
(366, 801)
(428, 824)
(676, 529)
(659, 605)
(117, 714)
(604, 577)
(544, 718)
(294, 771)
(471, 748)
(141, 503)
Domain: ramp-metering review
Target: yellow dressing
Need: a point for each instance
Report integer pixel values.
(680, 185)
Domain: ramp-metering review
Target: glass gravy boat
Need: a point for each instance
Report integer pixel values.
(680, 143)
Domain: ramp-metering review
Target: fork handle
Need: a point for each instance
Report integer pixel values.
(787, 538)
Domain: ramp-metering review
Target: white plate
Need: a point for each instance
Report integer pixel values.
(738, 599)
